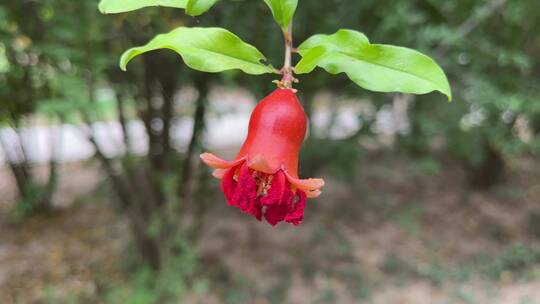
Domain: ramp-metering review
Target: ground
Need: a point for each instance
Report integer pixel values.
(405, 231)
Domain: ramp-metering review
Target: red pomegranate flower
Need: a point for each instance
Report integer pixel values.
(263, 178)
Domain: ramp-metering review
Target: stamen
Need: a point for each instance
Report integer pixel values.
(264, 182)
(276, 189)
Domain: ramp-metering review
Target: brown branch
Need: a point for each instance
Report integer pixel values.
(121, 109)
(198, 127)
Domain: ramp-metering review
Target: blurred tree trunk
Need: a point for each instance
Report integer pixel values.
(489, 172)
(151, 120)
(129, 201)
(202, 85)
(133, 193)
(535, 124)
(121, 110)
(168, 89)
(160, 84)
(55, 141)
(17, 164)
(416, 142)
(33, 197)
(46, 198)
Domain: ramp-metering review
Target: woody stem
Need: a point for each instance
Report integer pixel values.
(287, 67)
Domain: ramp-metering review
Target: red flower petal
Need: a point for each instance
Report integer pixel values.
(219, 163)
(256, 210)
(296, 216)
(245, 194)
(228, 185)
(276, 213)
(309, 184)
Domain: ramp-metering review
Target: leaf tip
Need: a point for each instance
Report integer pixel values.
(123, 65)
(447, 91)
(124, 59)
(101, 8)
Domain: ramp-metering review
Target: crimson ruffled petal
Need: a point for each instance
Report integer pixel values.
(228, 185)
(277, 212)
(256, 210)
(282, 204)
(245, 193)
(296, 215)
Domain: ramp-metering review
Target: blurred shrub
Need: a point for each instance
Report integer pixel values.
(336, 157)
(170, 285)
(513, 259)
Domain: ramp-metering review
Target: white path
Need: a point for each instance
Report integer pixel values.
(226, 127)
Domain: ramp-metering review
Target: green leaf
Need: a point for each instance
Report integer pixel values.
(120, 6)
(206, 49)
(199, 7)
(311, 58)
(283, 11)
(376, 67)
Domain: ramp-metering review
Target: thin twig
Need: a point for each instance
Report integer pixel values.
(287, 70)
